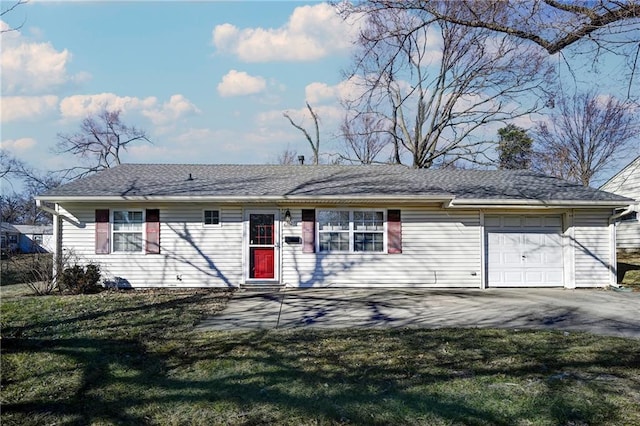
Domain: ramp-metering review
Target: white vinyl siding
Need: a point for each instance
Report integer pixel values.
(627, 184)
(628, 234)
(439, 249)
(191, 255)
(592, 247)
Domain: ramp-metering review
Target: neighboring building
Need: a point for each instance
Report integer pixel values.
(627, 183)
(35, 238)
(27, 238)
(160, 225)
(9, 237)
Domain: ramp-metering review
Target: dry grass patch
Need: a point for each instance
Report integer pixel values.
(629, 269)
(134, 358)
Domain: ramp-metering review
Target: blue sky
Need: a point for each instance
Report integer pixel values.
(208, 81)
(199, 99)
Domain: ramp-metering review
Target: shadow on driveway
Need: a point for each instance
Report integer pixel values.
(597, 311)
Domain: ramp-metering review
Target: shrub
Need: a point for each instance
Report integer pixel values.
(81, 280)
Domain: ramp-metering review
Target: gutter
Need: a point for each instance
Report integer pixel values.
(45, 208)
(528, 203)
(273, 199)
(630, 209)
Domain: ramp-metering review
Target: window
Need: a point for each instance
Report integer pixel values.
(333, 230)
(350, 231)
(127, 231)
(368, 231)
(212, 217)
(13, 239)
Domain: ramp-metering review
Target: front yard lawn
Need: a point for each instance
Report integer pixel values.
(134, 358)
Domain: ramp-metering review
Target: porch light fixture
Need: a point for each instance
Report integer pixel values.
(287, 217)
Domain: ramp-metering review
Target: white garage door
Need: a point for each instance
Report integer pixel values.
(524, 251)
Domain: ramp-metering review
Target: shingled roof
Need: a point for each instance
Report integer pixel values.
(176, 181)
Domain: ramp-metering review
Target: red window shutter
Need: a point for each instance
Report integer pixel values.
(308, 231)
(153, 231)
(394, 232)
(103, 244)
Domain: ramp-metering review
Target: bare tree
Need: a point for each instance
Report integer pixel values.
(365, 137)
(10, 166)
(12, 7)
(287, 157)
(439, 83)
(584, 135)
(314, 143)
(593, 27)
(99, 143)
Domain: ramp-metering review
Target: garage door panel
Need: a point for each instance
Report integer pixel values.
(524, 251)
(511, 259)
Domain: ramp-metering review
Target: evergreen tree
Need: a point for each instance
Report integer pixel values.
(514, 148)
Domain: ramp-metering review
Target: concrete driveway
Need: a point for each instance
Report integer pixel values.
(605, 312)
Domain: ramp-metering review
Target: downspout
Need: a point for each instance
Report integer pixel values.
(632, 208)
(612, 238)
(57, 245)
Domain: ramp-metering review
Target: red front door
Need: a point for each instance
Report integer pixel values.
(261, 246)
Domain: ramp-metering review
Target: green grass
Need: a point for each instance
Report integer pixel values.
(134, 358)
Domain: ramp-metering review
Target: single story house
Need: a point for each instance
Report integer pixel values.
(627, 183)
(168, 225)
(27, 238)
(35, 238)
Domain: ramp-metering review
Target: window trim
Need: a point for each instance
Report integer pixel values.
(352, 231)
(112, 231)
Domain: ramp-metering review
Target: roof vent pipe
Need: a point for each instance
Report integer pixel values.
(301, 159)
(190, 177)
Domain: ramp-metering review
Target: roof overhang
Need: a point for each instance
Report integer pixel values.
(533, 204)
(446, 201)
(267, 199)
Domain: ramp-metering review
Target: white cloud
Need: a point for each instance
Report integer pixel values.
(178, 106)
(311, 33)
(26, 107)
(79, 106)
(239, 83)
(347, 89)
(32, 68)
(18, 145)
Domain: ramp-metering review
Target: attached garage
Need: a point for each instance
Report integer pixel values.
(524, 251)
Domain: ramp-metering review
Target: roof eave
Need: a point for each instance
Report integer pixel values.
(536, 204)
(266, 199)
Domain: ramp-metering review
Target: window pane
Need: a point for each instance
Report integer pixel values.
(127, 242)
(211, 217)
(333, 220)
(334, 241)
(127, 221)
(368, 241)
(368, 221)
